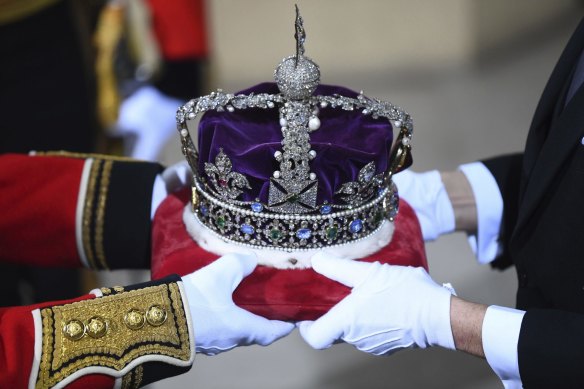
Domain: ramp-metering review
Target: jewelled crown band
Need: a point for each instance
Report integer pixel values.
(292, 217)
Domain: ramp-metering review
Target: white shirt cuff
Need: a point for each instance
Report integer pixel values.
(489, 204)
(500, 332)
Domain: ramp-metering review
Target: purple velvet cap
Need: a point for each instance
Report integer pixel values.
(345, 142)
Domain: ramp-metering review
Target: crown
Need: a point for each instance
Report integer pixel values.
(301, 204)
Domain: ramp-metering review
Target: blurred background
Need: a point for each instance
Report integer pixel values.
(470, 72)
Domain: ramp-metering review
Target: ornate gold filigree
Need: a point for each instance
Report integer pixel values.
(119, 345)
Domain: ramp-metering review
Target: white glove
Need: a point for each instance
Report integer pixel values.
(425, 192)
(390, 308)
(148, 115)
(219, 324)
(177, 176)
(172, 179)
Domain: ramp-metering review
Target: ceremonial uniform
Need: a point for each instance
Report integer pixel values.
(72, 211)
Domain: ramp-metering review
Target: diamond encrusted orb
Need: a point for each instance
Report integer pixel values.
(297, 77)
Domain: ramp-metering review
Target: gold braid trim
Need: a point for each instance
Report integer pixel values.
(133, 379)
(87, 232)
(138, 375)
(69, 154)
(118, 345)
(127, 380)
(100, 213)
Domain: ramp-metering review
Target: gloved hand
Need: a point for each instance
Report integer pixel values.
(172, 179)
(219, 324)
(426, 193)
(149, 116)
(177, 176)
(390, 308)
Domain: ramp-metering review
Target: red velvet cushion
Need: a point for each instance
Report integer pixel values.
(276, 294)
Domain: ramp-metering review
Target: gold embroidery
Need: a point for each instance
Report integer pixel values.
(100, 213)
(69, 154)
(62, 357)
(48, 330)
(106, 291)
(127, 380)
(133, 379)
(181, 319)
(138, 376)
(88, 211)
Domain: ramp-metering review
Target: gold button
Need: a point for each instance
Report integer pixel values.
(134, 319)
(74, 329)
(156, 315)
(96, 327)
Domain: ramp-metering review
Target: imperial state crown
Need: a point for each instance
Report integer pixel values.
(294, 166)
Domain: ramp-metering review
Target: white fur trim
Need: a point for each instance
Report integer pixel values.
(282, 259)
(38, 348)
(79, 211)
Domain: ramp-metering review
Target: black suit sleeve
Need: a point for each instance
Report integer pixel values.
(507, 172)
(551, 349)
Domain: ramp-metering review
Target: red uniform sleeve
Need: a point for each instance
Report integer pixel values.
(38, 200)
(17, 343)
(126, 337)
(70, 210)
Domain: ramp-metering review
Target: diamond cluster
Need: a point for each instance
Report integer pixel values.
(252, 226)
(297, 77)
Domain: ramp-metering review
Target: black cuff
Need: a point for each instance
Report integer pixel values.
(551, 349)
(127, 223)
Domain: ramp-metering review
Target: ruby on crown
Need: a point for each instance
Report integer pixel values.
(227, 183)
